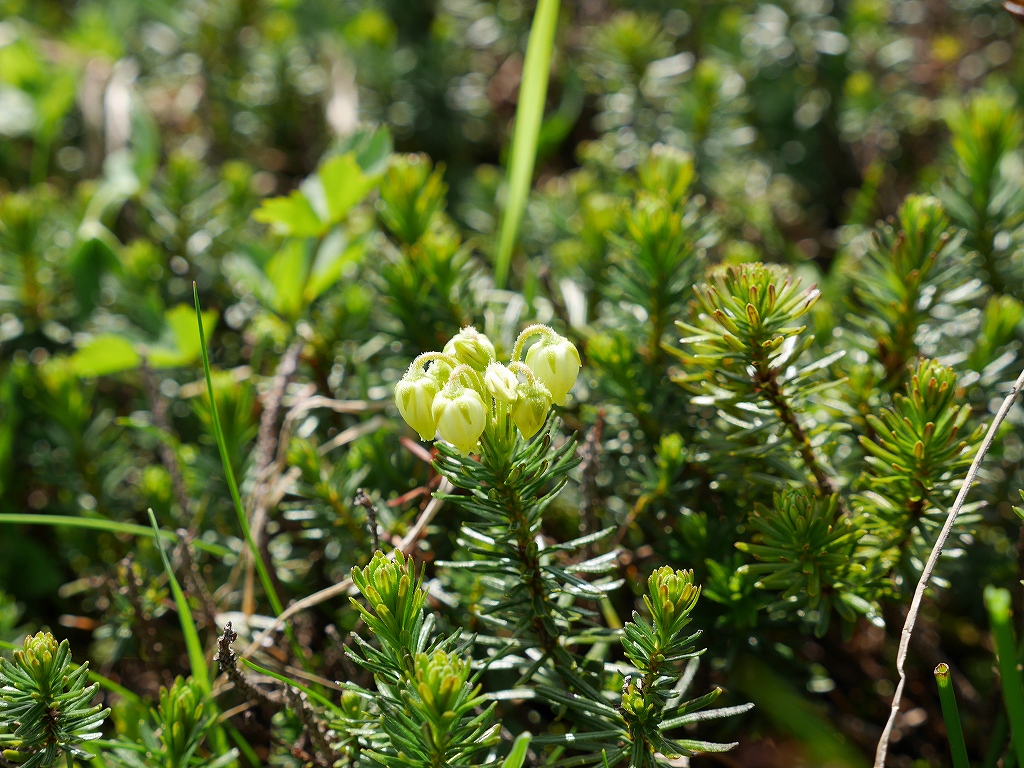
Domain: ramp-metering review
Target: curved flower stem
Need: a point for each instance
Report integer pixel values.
(475, 380)
(519, 367)
(427, 357)
(531, 330)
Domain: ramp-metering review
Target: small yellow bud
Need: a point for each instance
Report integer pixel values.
(531, 408)
(461, 416)
(414, 397)
(471, 347)
(556, 362)
(501, 383)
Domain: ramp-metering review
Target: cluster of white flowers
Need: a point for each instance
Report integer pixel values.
(461, 392)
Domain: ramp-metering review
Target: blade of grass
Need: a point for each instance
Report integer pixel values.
(517, 756)
(243, 746)
(229, 474)
(236, 498)
(996, 742)
(997, 601)
(113, 526)
(951, 716)
(288, 681)
(533, 91)
(196, 657)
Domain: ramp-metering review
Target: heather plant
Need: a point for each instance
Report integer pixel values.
(504, 383)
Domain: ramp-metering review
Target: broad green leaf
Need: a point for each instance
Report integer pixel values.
(91, 258)
(371, 148)
(330, 262)
(287, 272)
(292, 215)
(344, 185)
(105, 355)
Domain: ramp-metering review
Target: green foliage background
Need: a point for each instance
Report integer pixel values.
(331, 177)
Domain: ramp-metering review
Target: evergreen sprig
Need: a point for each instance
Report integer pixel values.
(650, 706)
(915, 462)
(914, 265)
(508, 492)
(430, 709)
(741, 353)
(807, 551)
(45, 709)
(984, 192)
(176, 732)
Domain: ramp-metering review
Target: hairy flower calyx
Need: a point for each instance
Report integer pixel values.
(471, 348)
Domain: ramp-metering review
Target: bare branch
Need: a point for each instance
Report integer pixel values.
(343, 586)
(363, 500)
(228, 664)
(929, 567)
(168, 456)
(314, 727)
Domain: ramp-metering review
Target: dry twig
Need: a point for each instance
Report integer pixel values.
(405, 546)
(926, 574)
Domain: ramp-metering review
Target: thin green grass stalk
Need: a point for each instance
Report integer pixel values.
(196, 656)
(533, 92)
(292, 683)
(243, 746)
(997, 601)
(996, 741)
(113, 526)
(236, 498)
(951, 716)
(229, 474)
(517, 756)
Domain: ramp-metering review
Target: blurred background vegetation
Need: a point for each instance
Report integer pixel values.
(138, 138)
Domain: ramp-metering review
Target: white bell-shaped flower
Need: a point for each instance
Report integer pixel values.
(556, 362)
(531, 408)
(471, 347)
(461, 416)
(414, 397)
(501, 383)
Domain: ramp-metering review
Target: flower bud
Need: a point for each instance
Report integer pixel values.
(672, 595)
(501, 383)
(471, 347)
(414, 397)
(439, 371)
(531, 408)
(556, 362)
(440, 678)
(460, 415)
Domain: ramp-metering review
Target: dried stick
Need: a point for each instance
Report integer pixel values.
(228, 664)
(266, 449)
(926, 574)
(314, 728)
(404, 546)
(194, 579)
(266, 439)
(363, 500)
